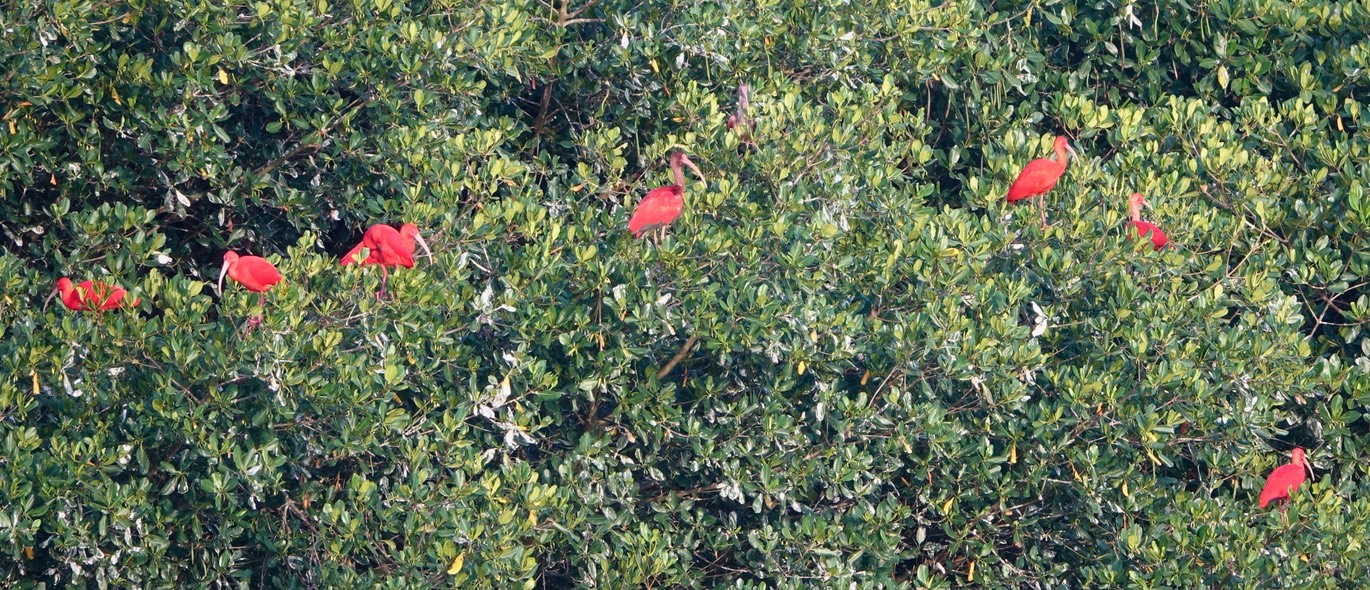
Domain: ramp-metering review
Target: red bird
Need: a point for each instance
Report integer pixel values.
(89, 295)
(1039, 176)
(1285, 479)
(255, 273)
(1134, 204)
(662, 206)
(387, 248)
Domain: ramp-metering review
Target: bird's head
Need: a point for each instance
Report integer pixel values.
(63, 286)
(1062, 142)
(230, 258)
(678, 158)
(1302, 461)
(410, 231)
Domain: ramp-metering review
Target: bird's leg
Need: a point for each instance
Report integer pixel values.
(384, 280)
(1042, 206)
(256, 320)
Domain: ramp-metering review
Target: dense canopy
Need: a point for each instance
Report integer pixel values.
(850, 363)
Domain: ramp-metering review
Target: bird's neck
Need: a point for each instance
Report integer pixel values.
(1136, 212)
(679, 175)
(1061, 157)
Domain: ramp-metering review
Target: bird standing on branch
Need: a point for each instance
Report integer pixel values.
(387, 247)
(255, 273)
(1039, 176)
(1145, 228)
(1285, 479)
(663, 205)
(89, 295)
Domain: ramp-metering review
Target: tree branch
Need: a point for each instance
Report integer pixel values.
(679, 356)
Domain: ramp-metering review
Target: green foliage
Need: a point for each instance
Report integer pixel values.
(897, 380)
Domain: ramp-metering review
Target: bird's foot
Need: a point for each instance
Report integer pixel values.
(252, 324)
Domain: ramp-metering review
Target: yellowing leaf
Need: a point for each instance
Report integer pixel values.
(1013, 454)
(970, 575)
(655, 69)
(802, 367)
(223, 77)
(532, 519)
(34, 373)
(456, 564)
(866, 377)
(1125, 494)
(946, 507)
(12, 129)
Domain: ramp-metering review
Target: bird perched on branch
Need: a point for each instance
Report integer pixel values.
(662, 206)
(1039, 176)
(387, 247)
(89, 295)
(255, 273)
(1285, 479)
(1145, 229)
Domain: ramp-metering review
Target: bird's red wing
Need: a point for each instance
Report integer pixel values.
(353, 256)
(1284, 480)
(396, 251)
(256, 273)
(82, 298)
(112, 297)
(660, 207)
(1036, 178)
(1157, 237)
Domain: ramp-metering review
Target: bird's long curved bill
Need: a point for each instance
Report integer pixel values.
(1072, 151)
(686, 161)
(49, 299)
(222, 271)
(418, 238)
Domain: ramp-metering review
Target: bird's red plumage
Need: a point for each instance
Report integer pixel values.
(1038, 177)
(661, 206)
(387, 246)
(1283, 481)
(1158, 239)
(255, 273)
(91, 296)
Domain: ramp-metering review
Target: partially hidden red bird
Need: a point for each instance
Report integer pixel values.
(1039, 176)
(662, 206)
(1145, 228)
(255, 273)
(89, 295)
(387, 247)
(1285, 479)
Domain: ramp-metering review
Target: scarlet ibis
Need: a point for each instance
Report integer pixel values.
(740, 117)
(1134, 204)
(89, 295)
(255, 273)
(663, 205)
(1039, 176)
(1285, 479)
(387, 248)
